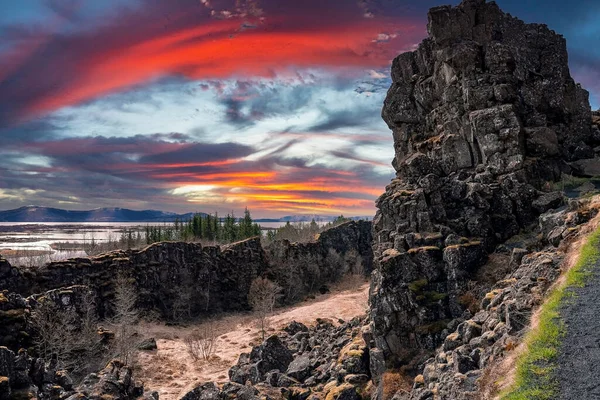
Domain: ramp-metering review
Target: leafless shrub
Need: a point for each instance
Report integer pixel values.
(69, 336)
(202, 342)
(124, 321)
(354, 262)
(262, 297)
(289, 278)
(336, 264)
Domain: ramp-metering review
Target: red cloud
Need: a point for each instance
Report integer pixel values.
(53, 71)
(223, 182)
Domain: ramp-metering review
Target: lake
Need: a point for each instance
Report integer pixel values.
(25, 243)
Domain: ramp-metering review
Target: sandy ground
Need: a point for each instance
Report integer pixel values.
(172, 372)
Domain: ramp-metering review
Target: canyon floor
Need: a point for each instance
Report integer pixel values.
(172, 372)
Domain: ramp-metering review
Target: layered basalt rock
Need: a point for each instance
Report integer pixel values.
(208, 279)
(463, 367)
(485, 116)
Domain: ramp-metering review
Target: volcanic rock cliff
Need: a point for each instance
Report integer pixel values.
(485, 117)
(208, 279)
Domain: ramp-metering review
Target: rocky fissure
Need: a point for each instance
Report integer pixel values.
(213, 279)
(488, 124)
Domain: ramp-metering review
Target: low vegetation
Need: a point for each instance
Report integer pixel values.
(201, 343)
(262, 298)
(536, 367)
(569, 183)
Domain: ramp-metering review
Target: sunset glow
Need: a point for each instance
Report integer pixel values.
(209, 106)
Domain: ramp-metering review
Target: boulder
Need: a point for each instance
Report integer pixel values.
(205, 391)
(271, 355)
(114, 381)
(300, 368)
(344, 391)
(5, 390)
(294, 327)
(147, 344)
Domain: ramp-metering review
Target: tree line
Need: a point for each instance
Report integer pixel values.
(205, 227)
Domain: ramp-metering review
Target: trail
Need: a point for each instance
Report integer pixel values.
(579, 354)
(172, 372)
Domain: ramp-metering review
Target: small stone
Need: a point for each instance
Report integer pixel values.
(148, 344)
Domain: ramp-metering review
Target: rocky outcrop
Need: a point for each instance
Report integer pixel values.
(465, 362)
(24, 377)
(589, 167)
(14, 329)
(305, 267)
(208, 279)
(327, 360)
(485, 116)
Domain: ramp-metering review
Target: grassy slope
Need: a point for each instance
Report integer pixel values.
(535, 378)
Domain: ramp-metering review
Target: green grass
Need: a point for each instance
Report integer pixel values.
(570, 182)
(535, 375)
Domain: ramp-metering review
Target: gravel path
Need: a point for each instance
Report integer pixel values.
(579, 355)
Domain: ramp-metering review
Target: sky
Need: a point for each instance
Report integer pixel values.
(218, 105)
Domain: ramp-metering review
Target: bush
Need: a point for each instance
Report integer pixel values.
(262, 297)
(202, 343)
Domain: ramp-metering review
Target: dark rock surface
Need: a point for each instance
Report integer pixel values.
(14, 311)
(485, 116)
(300, 363)
(478, 343)
(24, 377)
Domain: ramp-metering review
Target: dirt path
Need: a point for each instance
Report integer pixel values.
(579, 354)
(172, 372)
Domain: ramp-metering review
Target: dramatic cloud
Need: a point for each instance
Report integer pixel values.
(221, 176)
(44, 70)
(216, 105)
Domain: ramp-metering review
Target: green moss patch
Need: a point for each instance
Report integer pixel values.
(435, 327)
(417, 286)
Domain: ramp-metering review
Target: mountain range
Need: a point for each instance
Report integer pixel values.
(49, 214)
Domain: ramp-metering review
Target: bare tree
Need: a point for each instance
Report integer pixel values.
(262, 297)
(68, 334)
(354, 262)
(124, 321)
(202, 342)
(183, 297)
(336, 263)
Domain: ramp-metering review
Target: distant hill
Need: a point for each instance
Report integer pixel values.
(48, 214)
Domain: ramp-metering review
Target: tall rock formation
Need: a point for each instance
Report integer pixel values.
(485, 116)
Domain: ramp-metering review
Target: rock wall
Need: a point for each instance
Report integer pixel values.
(485, 116)
(193, 278)
(305, 267)
(464, 366)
